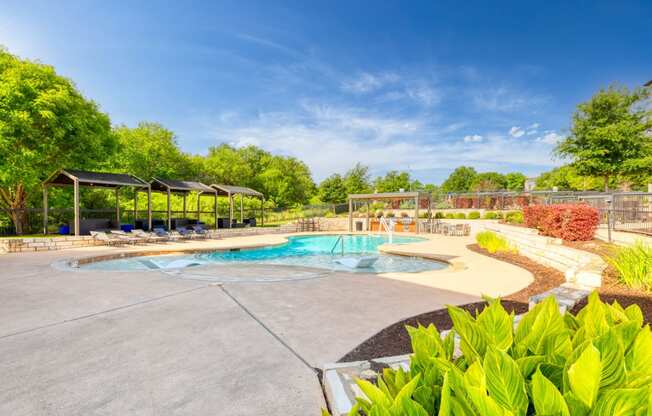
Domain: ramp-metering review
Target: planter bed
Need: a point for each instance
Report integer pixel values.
(394, 339)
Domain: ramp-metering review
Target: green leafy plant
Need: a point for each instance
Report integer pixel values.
(490, 215)
(474, 215)
(598, 362)
(439, 215)
(492, 242)
(634, 265)
(450, 216)
(460, 216)
(515, 217)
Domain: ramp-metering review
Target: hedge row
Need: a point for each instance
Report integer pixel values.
(570, 222)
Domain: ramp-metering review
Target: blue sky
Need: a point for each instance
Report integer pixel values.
(423, 86)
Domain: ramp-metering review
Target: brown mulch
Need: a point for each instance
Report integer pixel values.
(612, 289)
(394, 339)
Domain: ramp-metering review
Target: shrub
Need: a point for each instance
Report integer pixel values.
(460, 216)
(450, 215)
(474, 215)
(515, 217)
(423, 214)
(439, 215)
(594, 363)
(492, 242)
(490, 215)
(379, 213)
(634, 265)
(390, 214)
(571, 222)
(533, 215)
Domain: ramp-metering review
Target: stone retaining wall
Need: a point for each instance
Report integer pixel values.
(17, 245)
(580, 267)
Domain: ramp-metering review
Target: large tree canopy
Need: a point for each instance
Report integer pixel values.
(460, 180)
(332, 189)
(610, 135)
(356, 180)
(393, 181)
(45, 124)
(151, 151)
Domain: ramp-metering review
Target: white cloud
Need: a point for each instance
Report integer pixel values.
(550, 137)
(503, 100)
(516, 131)
(534, 126)
(473, 138)
(367, 82)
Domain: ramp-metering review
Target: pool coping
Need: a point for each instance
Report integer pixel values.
(386, 248)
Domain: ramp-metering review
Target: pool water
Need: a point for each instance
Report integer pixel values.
(308, 251)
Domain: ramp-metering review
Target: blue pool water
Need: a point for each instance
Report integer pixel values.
(308, 251)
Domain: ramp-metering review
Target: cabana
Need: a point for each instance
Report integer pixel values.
(391, 196)
(230, 191)
(169, 187)
(77, 178)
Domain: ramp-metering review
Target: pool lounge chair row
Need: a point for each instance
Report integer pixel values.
(119, 237)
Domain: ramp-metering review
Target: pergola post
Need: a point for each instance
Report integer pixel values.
(76, 204)
(169, 211)
(149, 207)
(416, 214)
(241, 208)
(184, 205)
(135, 206)
(350, 215)
(198, 206)
(230, 210)
(117, 206)
(368, 218)
(215, 207)
(262, 211)
(45, 209)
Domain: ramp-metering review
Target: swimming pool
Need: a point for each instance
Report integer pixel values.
(307, 251)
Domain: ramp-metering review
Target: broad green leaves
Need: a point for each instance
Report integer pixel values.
(596, 363)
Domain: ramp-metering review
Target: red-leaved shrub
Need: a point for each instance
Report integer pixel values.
(570, 222)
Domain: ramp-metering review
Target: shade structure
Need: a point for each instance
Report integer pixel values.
(171, 186)
(231, 190)
(391, 196)
(77, 178)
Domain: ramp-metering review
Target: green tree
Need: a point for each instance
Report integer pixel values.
(565, 178)
(460, 180)
(287, 181)
(356, 180)
(332, 190)
(515, 181)
(150, 150)
(489, 182)
(45, 124)
(610, 136)
(393, 181)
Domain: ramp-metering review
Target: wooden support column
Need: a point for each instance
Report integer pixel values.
(350, 215)
(416, 214)
(241, 208)
(199, 206)
(76, 204)
(169, 212)
(230, 209)
(184, 205)
(262, 211)
(135, 206)
(117, 206)
(149, 208)
(215, 208)
(45, 209)
(368, 217)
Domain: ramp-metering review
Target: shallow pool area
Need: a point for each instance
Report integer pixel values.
(321, 252)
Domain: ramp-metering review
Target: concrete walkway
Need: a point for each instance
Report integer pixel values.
(88, 342)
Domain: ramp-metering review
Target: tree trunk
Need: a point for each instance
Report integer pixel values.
(606, 183)
(14, 201)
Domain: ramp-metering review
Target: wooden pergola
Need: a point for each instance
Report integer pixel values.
(183, 188)
(77, 178)
(390, 196)
(231, 190)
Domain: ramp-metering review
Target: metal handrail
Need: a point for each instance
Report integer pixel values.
(340, 238)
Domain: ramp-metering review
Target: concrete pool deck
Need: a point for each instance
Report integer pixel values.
(90, 342)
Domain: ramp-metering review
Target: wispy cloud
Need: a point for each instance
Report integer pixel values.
(472, 138)
(550, 137)
(516, 131)
(367, 82)
(503, 99)
(267, 43)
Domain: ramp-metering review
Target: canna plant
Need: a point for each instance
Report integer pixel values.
(598, 362)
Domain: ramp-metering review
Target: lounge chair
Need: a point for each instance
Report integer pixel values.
(131, 238)
(187, 233)
(107, 238)
(149, 237)
(200, 231)
(160, 232)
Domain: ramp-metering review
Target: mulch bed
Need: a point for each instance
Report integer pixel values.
(394, 339)
(611, 289)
